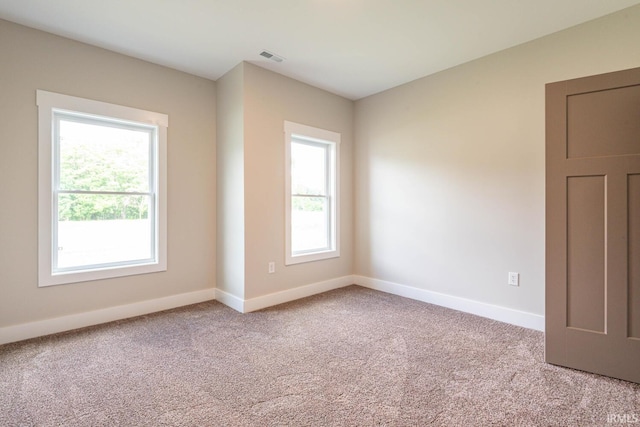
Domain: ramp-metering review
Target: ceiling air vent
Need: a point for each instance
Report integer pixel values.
(271, 56)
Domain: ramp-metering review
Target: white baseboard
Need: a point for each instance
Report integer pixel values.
(258, 303)
(65, 323)
(230, 300)
(265, 301)
(74, 321)
(502, 314)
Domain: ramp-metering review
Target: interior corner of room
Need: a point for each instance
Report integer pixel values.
(442, 179)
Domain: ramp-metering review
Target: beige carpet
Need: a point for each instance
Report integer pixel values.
(351, 357)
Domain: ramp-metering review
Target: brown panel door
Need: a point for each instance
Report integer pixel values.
(593, 224)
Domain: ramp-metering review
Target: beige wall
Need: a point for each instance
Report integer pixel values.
(230, 182)
(268, 99)
(36, 60)
(450, 168)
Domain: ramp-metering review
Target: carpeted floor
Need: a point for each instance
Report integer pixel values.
(350, 357)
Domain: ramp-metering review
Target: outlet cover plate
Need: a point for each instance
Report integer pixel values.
(514, 279)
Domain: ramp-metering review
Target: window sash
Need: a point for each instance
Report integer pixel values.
(76, 117)
(56, 240)
(327, 194)
(327, 220)
(151, 131)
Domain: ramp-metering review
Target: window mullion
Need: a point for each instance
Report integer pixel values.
(308, 195)
(112, 193)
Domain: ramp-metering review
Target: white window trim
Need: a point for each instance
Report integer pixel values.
(47, 102)
(309, 133)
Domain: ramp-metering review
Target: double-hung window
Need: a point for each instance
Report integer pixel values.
(311, 214)
(102, 186)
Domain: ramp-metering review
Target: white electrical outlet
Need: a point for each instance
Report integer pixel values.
(514, 279)
(272, 267)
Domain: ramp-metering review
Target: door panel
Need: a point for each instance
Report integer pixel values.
(586, 253)
(603, 123)
(593, 224)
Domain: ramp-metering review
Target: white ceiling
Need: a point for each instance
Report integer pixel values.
(353, 48)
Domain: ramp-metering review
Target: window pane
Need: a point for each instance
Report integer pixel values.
(100, 157)
(96, 229)
(308, 169)
(309, 224)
